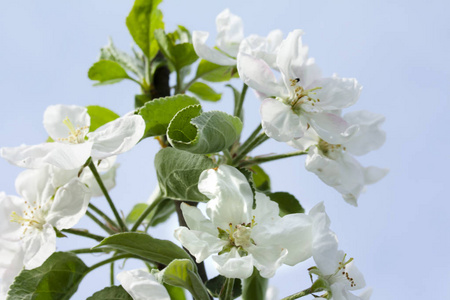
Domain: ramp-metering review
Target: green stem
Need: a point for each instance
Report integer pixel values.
(103, 215)
(99, 223)
(108, 198)
(303, 293)
(89, 250)
(109, 260)
(140, 84)
(79, 232)
(252, 136)
(111, 274)
(239, 104)
(260, 160)
(261, 138)
(146, 212)
(179, 83)
(227, 155)
(227, 290)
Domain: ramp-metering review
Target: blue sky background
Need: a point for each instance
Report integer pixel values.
(397, 49)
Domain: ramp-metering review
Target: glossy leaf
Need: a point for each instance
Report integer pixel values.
(214, 73)
(203, 133)
(143, 245)
(178, 172)
(204, 92)
(111, 293)
(57, 278)
(287, 203)
(107, 72)
(260, 179)
(158, 113)
(100, 116)
(180, 55)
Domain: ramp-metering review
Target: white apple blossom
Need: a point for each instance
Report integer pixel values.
(335, 164)
(340, 274)
(243, 237)
(265, 48)
(302, 99)
(141, 285)
(68, 126)
(11, 263)
(31, 219)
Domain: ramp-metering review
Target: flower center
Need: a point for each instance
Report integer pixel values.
(76, 135)
(303, 99)
(32, 217)
(341, 271)
(330, 150)
(237, 236)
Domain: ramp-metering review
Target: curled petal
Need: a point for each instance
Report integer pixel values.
(267, 259)
(213, 55)
(309, 139)
(232, 265)
(38, 246)
(142, 285)
(230, 32)
(64, 156)
(331, 127)
(230, 194)
(265, 48)
(69, 205)
(257, 74)
(117, 136)
(279, 121)
(200, 244)
(54, 116)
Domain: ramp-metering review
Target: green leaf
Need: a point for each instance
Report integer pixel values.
(57, 278)
(142, 21)
(111, 293)
(140, 100)
(254, 287)
(128, 62)
(260, 179)
(175, 292)
(203, 133)
(158, 113)
(107, 72)
(180, 55)
(204, 92)
(287, 203)
(215, 284)
(214, 73)
(178, 172)
(160, 214)
(100, 116)
(182, 273)
(143, 245)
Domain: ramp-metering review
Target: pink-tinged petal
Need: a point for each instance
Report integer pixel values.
(257, 74)
(117, 136)
(200, 244)
(266, 211)
(141, 285)
(10, 231)
(69, 205)
(64, 156)
(54, 116)
(292, 232)
(370, 136)
(267, 259)
(279, 121)
(232, 265)
(230, 32)
(38, 246)
(374, 174)
(195, 220)
(210, 54)
(230, 194)
(331, 127)
(335, 93)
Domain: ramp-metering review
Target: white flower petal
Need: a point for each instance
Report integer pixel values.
(35, 185)
(38, 246)
(231, 265)
(336, 93)
(117, 136)
(309, 139)
(267, 259)
(230, 32)
(230, 194)
(265, 48)
(10, 265)
(64, 156)
(69, 205)
(200, 244)
(141, 285)
(356, 275)
(10, 231)
(256, 73)
(369, 137)
(210, 54)
(374, 174)
(331, 127)
(54, 116)
(340, 292)
(195, 220)
(279, 121)
(366, 294)
(266, 211)
(108, 178)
